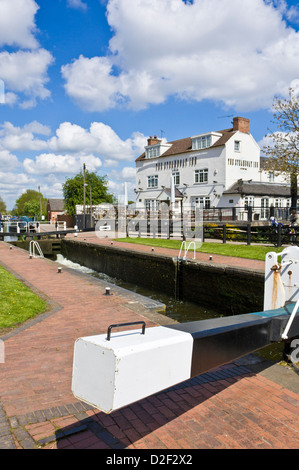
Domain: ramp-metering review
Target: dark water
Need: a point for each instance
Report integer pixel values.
(178, 310)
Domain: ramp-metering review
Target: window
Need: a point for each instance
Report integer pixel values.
(278, 202)
(249, 201)
(152, 181)
(176, 177)
(237, 145)
(201, 142)
(201, 202)
(201, 176)
(153, 152)
(271, 177)
(151, 204)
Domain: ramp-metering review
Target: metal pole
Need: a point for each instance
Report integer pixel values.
(84, 196)
(224, 233)
(279, 235)
(90, 200)
(40, 204)
(248, 234)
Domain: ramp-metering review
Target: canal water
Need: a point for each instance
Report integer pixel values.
(177, 310)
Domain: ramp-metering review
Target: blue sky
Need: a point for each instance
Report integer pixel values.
(87, 81)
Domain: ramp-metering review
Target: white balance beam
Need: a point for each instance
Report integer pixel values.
(111, 373)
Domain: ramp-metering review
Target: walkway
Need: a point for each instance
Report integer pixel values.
(228, 408)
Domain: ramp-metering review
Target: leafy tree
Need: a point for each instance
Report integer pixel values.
(29, 200)
(283, 152)
(2, 205)
(32, 208)
(74, 194)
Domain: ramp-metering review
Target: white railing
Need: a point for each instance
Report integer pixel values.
(33, 245)
(61, 225)
(16, 226)
(184, 246)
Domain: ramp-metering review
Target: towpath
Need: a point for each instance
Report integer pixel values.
(242, 405)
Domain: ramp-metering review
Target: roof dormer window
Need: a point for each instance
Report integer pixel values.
(153, 151)
(201, 142)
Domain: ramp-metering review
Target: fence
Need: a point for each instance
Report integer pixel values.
(245, 214)
(247, 233)
(20, 226)
(244, 225)
(264, 234)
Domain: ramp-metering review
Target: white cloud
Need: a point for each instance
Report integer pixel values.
(22, 139)
(110, 163)
(207, 49)
(10, 180)
(78, 4)
(37, 128)
(8, 161)
(17, 26)
(125, 174)
(25, 73)
(82, 85)
(99, 138)
(24, 69)
(54, 157)
(60, 164)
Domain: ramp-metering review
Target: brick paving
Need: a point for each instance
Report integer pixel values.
(230, 407)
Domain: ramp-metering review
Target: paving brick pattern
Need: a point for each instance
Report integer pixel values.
(227, 408)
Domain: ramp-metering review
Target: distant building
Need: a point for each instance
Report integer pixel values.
(209, 170)
(54, 208)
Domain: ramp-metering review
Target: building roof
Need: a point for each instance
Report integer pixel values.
(56, 205)
(255, 188)
(177, 192)
(185, 145)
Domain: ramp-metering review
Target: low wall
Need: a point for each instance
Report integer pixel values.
(227, 289)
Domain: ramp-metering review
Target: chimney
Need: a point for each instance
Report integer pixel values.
(153, 140)
(241, 124)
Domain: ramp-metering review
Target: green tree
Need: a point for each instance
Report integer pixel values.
(29, 204)
(283, 151)
(32, 208)
(2, 205)
(96, 186)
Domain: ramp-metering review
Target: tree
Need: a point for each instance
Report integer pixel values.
(2, 205)
(32, 208)
(283, 152)
(96, 186)
(29, 204)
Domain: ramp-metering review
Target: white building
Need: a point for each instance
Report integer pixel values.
(213, 169)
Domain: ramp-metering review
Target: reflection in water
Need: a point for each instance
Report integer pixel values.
(178, 310)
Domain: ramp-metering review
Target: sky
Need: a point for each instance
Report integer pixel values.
(88, 81)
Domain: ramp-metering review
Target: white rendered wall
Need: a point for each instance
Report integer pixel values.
(221, 175)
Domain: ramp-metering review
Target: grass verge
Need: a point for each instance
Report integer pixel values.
(257, 252)
(17, 302)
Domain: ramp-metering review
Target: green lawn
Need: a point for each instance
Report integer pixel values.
(17, 302)
(227, 249)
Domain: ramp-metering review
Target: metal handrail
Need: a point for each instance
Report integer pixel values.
(32, 245)
(187, 249)
(290, 321)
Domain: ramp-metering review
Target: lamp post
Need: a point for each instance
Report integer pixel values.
(84, 196)
(40, 204)
(90, 201)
